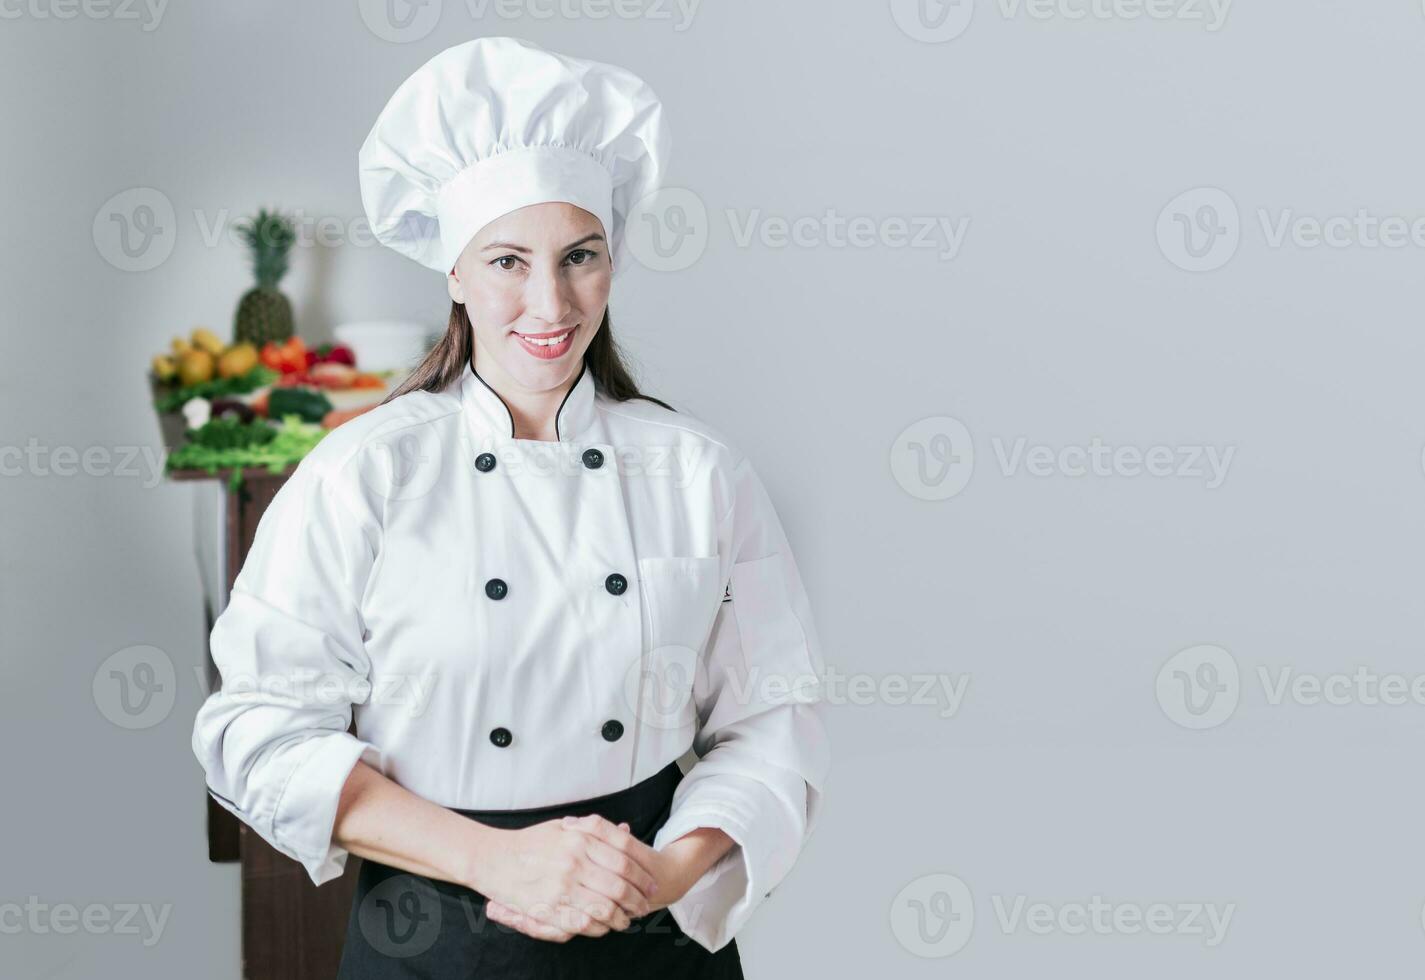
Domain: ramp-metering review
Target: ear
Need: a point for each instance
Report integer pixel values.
(454, 287)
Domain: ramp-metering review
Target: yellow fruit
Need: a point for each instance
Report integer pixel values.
(237, 361)
(181, 346)
(195, 367)
(205, 339)
(164, 368)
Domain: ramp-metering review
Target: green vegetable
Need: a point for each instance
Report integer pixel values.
(308, 404)
(292, 441)
(232, 434)
(217, 388)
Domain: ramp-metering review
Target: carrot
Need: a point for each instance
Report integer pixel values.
(336, 417)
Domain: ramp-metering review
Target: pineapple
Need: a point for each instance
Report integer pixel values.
(264, 313)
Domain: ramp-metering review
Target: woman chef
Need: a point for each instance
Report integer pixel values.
(533, 587)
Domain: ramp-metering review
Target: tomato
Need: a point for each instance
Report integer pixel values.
(293, 355)
(271, 356)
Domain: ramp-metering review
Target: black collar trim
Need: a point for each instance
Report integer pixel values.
(583, 367)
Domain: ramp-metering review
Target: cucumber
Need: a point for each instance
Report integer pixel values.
(305, 403)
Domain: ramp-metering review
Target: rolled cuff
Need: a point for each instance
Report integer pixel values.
(305, 813)
(767, 831)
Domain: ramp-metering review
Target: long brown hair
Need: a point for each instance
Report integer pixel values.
(447, 360)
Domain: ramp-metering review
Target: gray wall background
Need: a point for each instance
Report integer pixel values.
(1064, 319)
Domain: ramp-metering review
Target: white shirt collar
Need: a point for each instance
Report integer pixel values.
(489, 417)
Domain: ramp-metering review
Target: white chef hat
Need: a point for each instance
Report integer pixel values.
(497, 124)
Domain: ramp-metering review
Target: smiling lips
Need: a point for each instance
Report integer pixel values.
(548, 346)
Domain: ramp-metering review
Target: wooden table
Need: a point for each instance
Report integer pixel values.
(291, 929)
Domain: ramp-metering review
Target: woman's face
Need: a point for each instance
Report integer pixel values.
(541, 273)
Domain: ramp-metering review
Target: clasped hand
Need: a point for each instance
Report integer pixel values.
(577, 876)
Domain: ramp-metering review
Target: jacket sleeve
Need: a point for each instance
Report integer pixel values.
(762, 741)
(273, 739)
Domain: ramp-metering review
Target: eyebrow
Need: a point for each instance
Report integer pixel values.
(511, 246)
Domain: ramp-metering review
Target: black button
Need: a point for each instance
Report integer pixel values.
(496, 588)
(485, 462)
(593, 459)
(612, 730)
(501, 737)
(616, 583)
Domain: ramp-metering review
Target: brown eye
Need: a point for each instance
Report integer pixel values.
(581, 256)
(503, 259)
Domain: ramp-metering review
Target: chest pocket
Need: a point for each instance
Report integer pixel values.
(681, 596)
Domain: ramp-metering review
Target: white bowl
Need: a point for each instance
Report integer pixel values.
(385, 345)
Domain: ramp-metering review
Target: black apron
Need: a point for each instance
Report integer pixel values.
(404, 925)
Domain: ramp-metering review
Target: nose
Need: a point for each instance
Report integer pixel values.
(547, 296)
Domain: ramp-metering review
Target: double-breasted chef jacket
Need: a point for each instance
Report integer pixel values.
(516, 623)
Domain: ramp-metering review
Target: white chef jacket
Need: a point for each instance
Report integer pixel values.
(517, 623)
